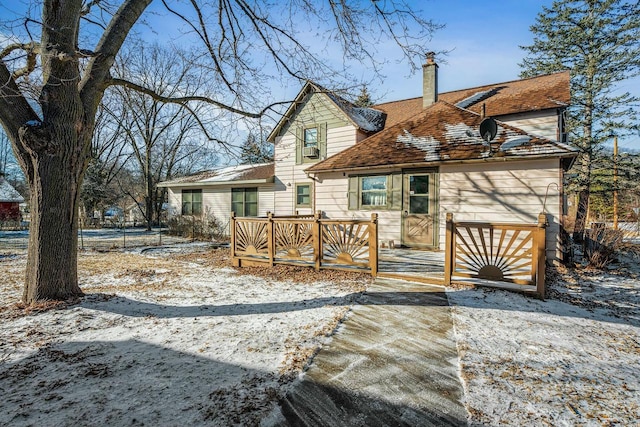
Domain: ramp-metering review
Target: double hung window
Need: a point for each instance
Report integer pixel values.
(191, 202)
(244, 201)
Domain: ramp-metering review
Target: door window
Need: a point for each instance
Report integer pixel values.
(419, 194)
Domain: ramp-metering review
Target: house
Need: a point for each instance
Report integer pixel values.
(10, 201)
(244, 189)
(413, 161)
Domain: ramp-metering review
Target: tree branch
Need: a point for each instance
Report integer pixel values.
(97, 72)
(15, 113)
(181, 100)
(27, 47)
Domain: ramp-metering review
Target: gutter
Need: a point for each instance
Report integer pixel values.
(440, 162)
(269, 180)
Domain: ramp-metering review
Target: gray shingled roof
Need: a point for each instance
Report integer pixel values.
(8, 193)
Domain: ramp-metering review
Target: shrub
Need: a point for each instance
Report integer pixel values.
(604, 246)
(207, 227)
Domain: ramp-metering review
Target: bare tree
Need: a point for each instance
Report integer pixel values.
(108, 158)
(58, 65)
(163, 139)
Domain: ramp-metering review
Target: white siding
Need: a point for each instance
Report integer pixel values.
(288, 173)
(538, 123)
(499, 192)
(502, 192)
(332, 199)
(216, 201)
(174, 198)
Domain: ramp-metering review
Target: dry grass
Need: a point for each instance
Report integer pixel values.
(113, 272)
(298, 356)
(219, 258)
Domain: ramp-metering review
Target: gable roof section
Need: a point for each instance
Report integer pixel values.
(261, 173)
(517, 96)
(440, 133)
(9, 194)
(366, 119)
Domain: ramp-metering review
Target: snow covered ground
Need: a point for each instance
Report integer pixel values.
(166, 339)
(573, 359)
(173, 337)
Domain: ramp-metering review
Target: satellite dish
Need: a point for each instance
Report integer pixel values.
(488, 129)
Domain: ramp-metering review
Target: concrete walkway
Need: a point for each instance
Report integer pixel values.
(393, 363)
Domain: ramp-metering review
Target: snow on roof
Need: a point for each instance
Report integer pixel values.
(476, 97)
(234, 173)
(367, 119)
(259, 171)
(442, 132)
(8, 193)
(428, 144)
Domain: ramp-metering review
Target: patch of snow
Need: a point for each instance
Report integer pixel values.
(8, 193)
(476, 97)
(462, 132)
(367, 119)
(530, 362)
(158, 341)
(231, 173)
(428, 144)
(515, 141)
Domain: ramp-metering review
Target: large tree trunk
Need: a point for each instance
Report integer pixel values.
(53, 235)
(52, 142)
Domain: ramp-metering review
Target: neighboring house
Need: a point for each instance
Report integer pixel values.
(10, 201)
(413, 161)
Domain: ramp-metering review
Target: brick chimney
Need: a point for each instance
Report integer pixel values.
(429, 81)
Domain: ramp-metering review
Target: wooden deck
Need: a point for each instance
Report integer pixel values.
(412, 264)
(509, 255)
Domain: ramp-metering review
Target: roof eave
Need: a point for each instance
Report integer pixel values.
(269, 180)
(285, 117)
(448, 162)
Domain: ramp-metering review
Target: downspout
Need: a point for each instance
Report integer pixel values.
(313, 192)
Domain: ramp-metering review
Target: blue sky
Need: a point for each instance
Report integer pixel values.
(483, 40)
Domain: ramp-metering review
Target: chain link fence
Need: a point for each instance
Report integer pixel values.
(98, 239)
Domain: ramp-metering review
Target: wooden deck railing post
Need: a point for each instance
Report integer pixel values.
(232, 234)
(373, 244)
(539, 258)
(448, 249)
(317, 240)
(271, 238)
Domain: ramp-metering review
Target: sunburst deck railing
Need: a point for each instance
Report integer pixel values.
(305, 240)
(497, 252)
